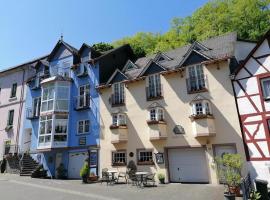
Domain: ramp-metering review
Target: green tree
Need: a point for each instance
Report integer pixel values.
(101, 47)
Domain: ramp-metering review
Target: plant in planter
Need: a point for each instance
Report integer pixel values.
(84, 172)
(39, 172)
(254, 195)
(93, 177)
(61, 171)
(229, 171)
(161, 178)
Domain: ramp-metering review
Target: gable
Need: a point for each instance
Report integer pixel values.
(85, 53)
(152, 69)
(118, 77)
(194, 58)
(61, 52)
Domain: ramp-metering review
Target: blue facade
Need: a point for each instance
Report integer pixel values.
(61, 55)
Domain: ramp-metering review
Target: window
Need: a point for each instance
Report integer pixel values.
(119, 158)
(84, 97)
(60, 128)
(63, 70)
(47, 98)
(154, 86)
(196, 79)
(13, 90)
(83, 126)
(10, 118)
(156, 114)
(45, 130)
(201, 108)
(118, 97)
(119, 119)
(36, 106)
(145, 157)
(266, 87)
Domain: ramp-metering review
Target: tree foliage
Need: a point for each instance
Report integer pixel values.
(249, 18)
(101, 47)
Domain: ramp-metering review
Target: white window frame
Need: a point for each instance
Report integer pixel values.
(206, 108)
(36, 106)
(196, 72)
(84, 131)
(154, 85)
(120, 158)
(46, 133)
(118, 90)
(48, 99)
(158, 114)
(121, 119)
(85, 91)
(64, 120)
(264, 89)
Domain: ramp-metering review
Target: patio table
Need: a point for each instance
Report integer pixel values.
(140, 176)
(112, 172)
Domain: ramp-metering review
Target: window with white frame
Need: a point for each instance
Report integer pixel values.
(118, 96)
(201, 108)
(47, 98)
(156, 114)
(83, 126)
(84, 96)
(265, 83)
(36, 106)
(119, 158)
(196, 78)
(145, 156)
(119, 119)
(62, 96)
(154, 86)
(60, 128)
(45, 130)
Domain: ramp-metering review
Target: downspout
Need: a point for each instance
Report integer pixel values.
(20, 112)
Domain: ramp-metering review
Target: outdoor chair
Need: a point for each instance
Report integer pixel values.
(105, 176)
(122, 175)
(149, 180)
(132, 177)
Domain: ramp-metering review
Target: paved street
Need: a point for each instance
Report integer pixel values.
(14, 187)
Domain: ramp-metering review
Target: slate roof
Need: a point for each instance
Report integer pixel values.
(215, 48)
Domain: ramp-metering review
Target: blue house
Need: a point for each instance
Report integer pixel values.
(62, 118)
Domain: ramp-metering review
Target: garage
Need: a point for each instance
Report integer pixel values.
(188, 165)
(76, 161)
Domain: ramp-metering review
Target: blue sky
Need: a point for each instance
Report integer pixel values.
(31, 28)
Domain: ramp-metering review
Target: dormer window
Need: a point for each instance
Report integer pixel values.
(153, 89)
(118, 119)
(196, 79)
(118, 94)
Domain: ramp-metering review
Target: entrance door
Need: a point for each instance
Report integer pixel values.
(188, 165)
(27, 140)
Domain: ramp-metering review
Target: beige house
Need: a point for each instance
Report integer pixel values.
(173, 112)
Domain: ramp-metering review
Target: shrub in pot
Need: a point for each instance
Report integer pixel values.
(229, 171)
(39, 172)
(161, 178)
(61, 171)
(84, 172)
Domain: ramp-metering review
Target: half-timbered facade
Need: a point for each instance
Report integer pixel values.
(251, 83)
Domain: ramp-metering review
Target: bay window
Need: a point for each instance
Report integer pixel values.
(47, 98)
(45, 130)
(201, 108)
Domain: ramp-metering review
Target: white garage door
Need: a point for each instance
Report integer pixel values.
(188, 165)
(76, 161)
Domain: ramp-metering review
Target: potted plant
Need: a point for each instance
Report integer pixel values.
(84, 172)
(161, 178)
(93, 177)
(229, 171)
(254, 195)
(61, 172)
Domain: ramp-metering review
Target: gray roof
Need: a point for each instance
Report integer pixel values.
(214, 48)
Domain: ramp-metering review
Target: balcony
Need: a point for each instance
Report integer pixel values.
(82, 102)
(117, 100)
(154, 93)
(203, 125)
(196, 84)
(30, 114)
(157, 130)
(119, 134)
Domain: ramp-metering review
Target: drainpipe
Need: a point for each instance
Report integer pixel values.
(20, 113)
